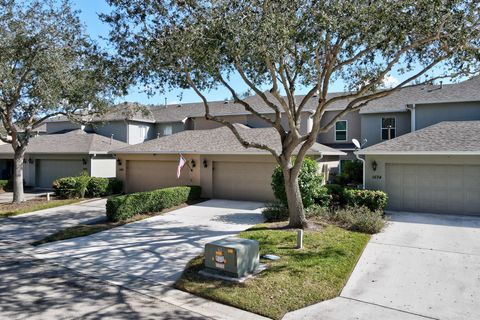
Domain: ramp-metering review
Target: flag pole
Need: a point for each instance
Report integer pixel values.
(186, 162)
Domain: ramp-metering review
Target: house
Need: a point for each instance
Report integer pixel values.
(215, 160)
(53, 156)
(435, 169)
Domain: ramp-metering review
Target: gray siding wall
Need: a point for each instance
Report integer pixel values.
(429, 114)
(135, 132)
(256, 122)
(53, 127)
(176, 127)
(353, 127)
(371, 125)
(117, 128)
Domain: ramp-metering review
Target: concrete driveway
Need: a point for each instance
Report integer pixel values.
(156, 249)
(421, 266)
(7, 197)
(36, 225)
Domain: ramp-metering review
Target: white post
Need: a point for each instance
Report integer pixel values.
(48, 196)
(299, 239)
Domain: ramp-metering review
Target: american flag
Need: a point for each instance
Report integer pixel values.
(181, 163)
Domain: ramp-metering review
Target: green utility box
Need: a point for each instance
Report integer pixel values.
(233, 257)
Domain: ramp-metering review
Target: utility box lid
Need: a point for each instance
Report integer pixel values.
(232, 256)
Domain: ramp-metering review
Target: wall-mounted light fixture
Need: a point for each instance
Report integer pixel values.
(119, 162)
(205, 163)
(192, 162)
(84, 161)
(374, 165)
(30, 160)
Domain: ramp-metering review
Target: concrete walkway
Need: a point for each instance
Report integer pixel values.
(420, 267)
(36, 225)
(7, 197)
(158, 248)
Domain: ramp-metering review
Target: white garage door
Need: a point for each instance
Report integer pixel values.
(150, 175)
(49, 170)
(450, 189)
(243, 181)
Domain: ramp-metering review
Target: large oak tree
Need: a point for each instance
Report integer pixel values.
(48, 67)
(287, 45)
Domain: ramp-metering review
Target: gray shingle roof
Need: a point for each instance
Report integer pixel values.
(217, 141)
(450, 137)
(396, 102)
(73, 142)
(120, 112)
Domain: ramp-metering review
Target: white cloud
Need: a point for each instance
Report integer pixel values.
(389, 81)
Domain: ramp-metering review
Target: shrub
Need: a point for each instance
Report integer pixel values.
(65, 188)
(3, 184)
(372, 199)
(359, 219)
(342, 197)
(81, 184)
(352, 173)
(124, 207)
(309, 180)
(275, 211)
(98, 187)
(115, 186)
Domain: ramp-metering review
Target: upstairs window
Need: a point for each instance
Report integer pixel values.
(341, 130)
(388, 128)
(167, 130)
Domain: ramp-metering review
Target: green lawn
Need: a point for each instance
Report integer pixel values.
(300, 278)
(9, 209)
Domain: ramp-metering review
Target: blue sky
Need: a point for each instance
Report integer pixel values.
(89, 10)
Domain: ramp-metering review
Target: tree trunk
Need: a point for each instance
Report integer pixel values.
(294, 198)
(18, 195)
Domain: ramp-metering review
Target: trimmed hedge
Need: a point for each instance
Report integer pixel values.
(343, 197)
(3, 184)
(71, 187)
(124, 207)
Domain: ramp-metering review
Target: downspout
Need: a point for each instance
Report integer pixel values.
(413, 120)
(363, 162)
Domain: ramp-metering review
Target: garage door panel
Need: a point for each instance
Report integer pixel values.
(453, 189)
(48, 170)
(243, 181)
(151, 175)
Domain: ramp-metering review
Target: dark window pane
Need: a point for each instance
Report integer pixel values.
(341, 135)
(341, 125)
(385, 135)
(388, 122)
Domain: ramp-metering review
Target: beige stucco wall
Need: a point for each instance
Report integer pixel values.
(201, 175)
(376, 179)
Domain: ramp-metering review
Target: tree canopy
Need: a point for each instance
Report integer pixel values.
(287, 45)
(48, 67)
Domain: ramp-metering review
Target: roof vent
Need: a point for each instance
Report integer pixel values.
(179, 105)
(225, 102)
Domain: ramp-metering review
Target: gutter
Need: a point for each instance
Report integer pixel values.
(413, 120)
(399, 153)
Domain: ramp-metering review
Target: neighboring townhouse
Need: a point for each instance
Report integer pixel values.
(53, 156)
(435, 169)
(128, 122)
(215, 160)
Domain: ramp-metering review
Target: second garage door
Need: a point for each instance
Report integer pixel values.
(50, 170)
(243, 181)
(450, 189)
(150, 175)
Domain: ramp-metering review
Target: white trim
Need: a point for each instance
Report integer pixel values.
(117, 152)
(373, 152)
(381, 128)
(346, 131)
